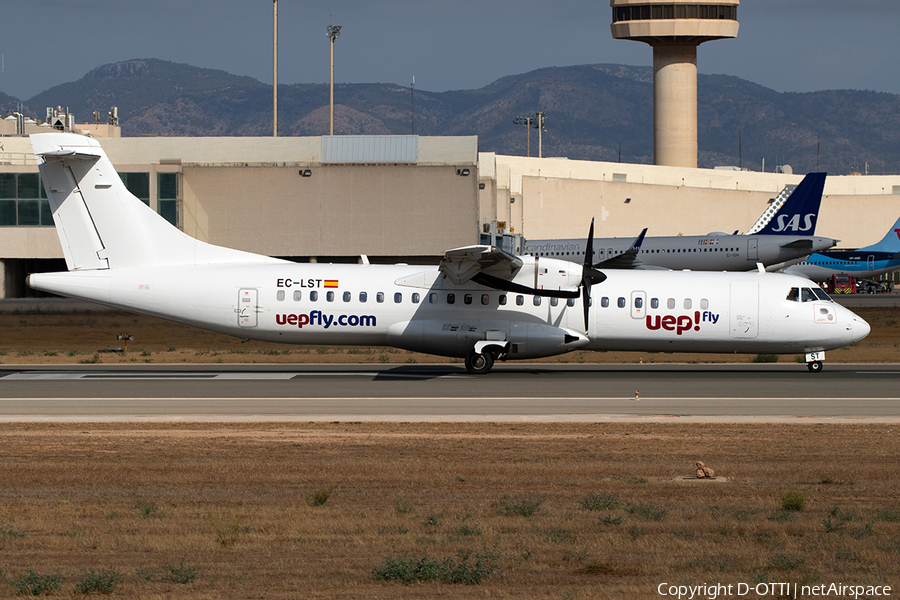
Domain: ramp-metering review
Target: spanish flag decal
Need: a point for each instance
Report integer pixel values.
(331, 283)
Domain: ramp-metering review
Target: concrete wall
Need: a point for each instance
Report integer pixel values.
(337, 211)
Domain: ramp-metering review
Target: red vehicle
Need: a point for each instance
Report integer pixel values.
(841, 284)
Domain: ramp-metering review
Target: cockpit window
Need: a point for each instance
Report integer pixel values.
(806, 295)
(794, 295)
(822, 295)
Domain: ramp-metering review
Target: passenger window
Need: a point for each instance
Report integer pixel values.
(363, 297)
(467, 299)
(554, 301)
(451, 298)
(670, 303)
(537, 300)
(604, 302)
(704, 304)
(687, 304)
(485, 299)
(329, 296)
(620, 302)
(520, 300)
(313, 296)
(346, 296)
(279, 295)
(638, 302)
(415, 298)
(503, 300)
(570, 302)
(654, 303)
(298, 295)
(806, 295)
(379, 297)
(432, 298)
(398, 298)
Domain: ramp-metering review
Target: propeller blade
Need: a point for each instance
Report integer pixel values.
(589, 276)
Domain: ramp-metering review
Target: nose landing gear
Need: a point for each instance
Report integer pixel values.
(814, 361)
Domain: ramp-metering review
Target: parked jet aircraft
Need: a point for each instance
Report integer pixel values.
(480, 303)
(862, 263)
(787, 237)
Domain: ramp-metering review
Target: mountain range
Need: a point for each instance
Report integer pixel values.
(593, 112)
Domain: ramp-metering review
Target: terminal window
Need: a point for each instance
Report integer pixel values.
(138, 184)
(167, 197)
(23, 201)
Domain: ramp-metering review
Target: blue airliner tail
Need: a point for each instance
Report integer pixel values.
(800, 211)
(889, 243)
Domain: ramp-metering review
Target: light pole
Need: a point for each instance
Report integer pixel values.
(274, 68)
(334, 32)
(539, 125)
(527, 122)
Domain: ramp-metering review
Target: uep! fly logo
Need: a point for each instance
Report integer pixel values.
(681, 323)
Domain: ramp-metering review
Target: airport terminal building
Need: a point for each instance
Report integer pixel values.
(408, 198)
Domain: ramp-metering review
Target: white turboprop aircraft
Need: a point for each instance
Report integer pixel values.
(480, 303)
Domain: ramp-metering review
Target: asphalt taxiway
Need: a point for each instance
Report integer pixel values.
(519, 392)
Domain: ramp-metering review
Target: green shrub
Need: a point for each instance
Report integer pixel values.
(785, 561)
(647, 512)
(320, 496)
(411, 570)
(180, 573)
(594, 501)
(98, 582)
(227, 530)
(35, 584)
(522, 506)
(765, 358)
(793, 500)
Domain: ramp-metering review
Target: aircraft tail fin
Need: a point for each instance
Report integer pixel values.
(798, 213)
(890, 242)
(100, 224)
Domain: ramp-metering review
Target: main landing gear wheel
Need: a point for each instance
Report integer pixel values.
(479, 363)
(814, 366)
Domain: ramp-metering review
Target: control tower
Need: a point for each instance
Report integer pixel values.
(674, 28)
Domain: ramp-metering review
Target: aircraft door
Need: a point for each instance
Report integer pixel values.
(870, 262)
(752, 249)
(248, 306)
(743, 311)
(638, 305)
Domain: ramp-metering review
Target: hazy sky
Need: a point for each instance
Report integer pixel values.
(787, 45)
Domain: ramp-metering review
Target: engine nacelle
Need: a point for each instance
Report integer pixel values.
(549, 274)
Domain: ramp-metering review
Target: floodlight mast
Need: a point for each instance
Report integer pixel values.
(274, 68)
(527, 122)
(334, 32)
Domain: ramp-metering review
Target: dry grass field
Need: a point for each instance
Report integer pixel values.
(319, 510)
(385, 511)
(71, 338)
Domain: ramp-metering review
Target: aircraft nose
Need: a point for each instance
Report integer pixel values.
(858, 328)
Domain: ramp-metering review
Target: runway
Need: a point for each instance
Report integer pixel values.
(512, 392)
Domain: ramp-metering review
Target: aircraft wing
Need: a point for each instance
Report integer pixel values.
(628, 259)
(462, 264)
(494, 268)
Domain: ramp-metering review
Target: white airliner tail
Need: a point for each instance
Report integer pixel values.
(100, 224)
